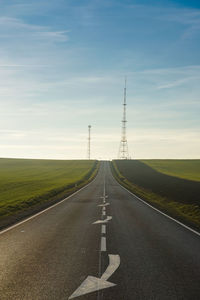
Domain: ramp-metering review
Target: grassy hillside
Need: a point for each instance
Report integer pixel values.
(177, 196)
(187, 169)
(26, 182)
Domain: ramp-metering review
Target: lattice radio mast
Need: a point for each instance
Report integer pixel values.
(89, 140)
(123, 148)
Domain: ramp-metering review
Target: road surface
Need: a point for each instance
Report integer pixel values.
(101, 243)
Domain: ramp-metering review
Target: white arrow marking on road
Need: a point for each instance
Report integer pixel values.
(105, 204)
(114, 262)
(103, 221)
(93, 284)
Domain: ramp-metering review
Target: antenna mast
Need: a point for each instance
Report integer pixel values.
(89, 140)
(123, 148)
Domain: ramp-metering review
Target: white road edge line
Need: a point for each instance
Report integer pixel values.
(103, 229)
(164, 214)
(103, 244)
(46, 209)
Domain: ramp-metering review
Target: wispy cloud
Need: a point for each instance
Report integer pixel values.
(15, 27)
(169, 78)
(184, 70)
(188, 17)
(175, 83)
(182, 15)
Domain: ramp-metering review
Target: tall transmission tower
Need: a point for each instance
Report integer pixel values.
(123, 148)
(89, 140)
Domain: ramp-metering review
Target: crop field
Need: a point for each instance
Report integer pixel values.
(187, 169)
(26, 182)
(149, 179)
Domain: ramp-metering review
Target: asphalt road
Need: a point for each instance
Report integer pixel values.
(133, 252)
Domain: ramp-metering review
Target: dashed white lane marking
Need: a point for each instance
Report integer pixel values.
(104, 188)
(103, 221)
(103, 229)
(103, 244)
(93, 284)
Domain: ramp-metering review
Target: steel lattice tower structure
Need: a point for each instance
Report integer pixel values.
(89, 140)
(123, 148)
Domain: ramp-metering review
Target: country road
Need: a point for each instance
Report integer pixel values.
(102, 243)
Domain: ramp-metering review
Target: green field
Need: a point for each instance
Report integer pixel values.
(26, 182)
(187, 169)
(170, 185)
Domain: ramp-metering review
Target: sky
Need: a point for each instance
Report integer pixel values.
(62, 67)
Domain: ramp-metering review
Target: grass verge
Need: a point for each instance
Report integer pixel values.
(187, 212)
(28, 186)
